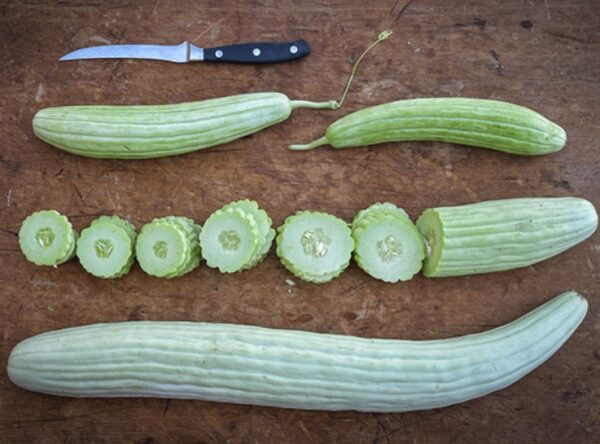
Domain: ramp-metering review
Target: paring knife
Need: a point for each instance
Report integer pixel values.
(186, 52)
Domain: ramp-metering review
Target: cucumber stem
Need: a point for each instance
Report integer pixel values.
(331, 104)
(382, 36)
(309, 146)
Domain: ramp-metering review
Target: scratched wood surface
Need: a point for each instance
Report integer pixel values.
(541, 54)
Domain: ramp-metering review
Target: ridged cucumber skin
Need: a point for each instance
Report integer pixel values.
(290, 369)
(483, 123)
(148, 131)
(503, 234)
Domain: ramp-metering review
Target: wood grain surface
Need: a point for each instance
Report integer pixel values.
(543, 54)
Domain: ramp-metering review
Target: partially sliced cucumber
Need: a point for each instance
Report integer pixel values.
(47, 238)
(230, 239)
(315, 246)
(105, 248)
(388, 245)
(163, 249)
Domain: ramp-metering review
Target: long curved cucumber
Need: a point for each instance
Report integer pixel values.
(483, 123)
(146, 131)
(502, 234)
(290, 369)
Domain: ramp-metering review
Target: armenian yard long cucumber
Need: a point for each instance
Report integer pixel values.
(483, 123)
(502, 234)
(290, 369)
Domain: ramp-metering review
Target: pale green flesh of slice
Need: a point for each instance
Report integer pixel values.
(162, 249)
(46, 238)
(316, 245)
(390, 250)
(105, 249)
(228, 242)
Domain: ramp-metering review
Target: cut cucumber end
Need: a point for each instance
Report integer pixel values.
(388, 245)
(431, 228)
(105, 249)
(230, 239)
(314, 245)
(47, 238)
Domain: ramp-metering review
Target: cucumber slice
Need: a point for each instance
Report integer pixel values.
(163, 249)
(263, 222)
(379, 208)
(315, 246)
(230, 239)
(47, 238)
(105, 249)
(192, 231)
(388, 245)
(124, 224)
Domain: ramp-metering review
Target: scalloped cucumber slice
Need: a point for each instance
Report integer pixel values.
(263, 222)
(388, 246)
(504, 234)
(379, 208)
(105, 249)
(123, 223)
(230, 239)
(315, 246)
(47, 238)
(163, 249)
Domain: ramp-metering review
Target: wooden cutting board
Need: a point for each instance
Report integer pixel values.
(541, 54)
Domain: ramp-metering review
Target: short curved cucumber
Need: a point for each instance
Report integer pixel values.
(105, 248)
(47, 238)
(483, 123)
(315, 246)
(501, 235)
(230, 239)
(163, 249)
(388, 246)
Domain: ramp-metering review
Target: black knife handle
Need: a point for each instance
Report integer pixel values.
(258, 52)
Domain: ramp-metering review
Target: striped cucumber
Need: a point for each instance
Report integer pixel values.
(142, 132)
(477, 122)
(290, 369)
(502, 234)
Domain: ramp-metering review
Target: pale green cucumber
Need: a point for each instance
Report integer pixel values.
(315, 246)
(502, 234)
(230, 240)
(47, 238)
(105, 248)
(291, 369)
(388, 246)
(163, 249)
(476, 122)
(146, 131)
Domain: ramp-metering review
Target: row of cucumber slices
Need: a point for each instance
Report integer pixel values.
(317, 247)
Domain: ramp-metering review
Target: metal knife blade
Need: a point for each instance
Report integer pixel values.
(187, 52)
